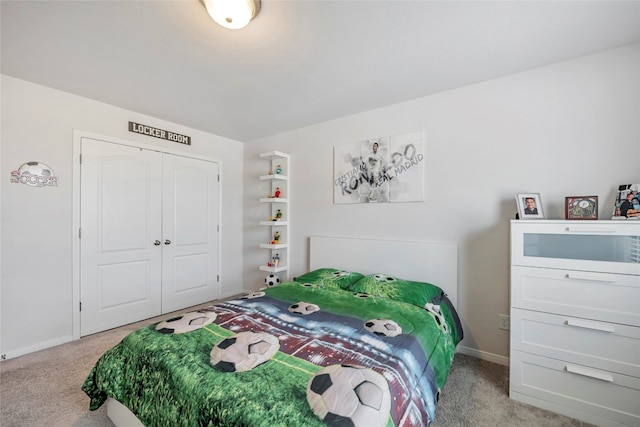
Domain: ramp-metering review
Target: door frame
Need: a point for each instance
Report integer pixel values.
(78, 135)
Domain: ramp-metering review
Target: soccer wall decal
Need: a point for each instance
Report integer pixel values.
(34, 174)
(350, 395)
(244, 351)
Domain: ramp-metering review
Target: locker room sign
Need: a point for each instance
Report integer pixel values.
(159, 133)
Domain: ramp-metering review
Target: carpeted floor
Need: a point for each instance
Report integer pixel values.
(42, 389)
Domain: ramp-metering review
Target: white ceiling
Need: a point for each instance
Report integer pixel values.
(299, 62)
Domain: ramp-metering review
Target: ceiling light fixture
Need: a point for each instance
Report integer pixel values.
(232, 14)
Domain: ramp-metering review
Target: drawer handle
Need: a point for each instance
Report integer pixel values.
(590, 230)
(590, 325)
(589, 278)
(589, 373)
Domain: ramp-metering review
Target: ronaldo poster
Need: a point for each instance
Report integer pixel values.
(380, 170)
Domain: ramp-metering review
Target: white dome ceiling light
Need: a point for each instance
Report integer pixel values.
(232, 14)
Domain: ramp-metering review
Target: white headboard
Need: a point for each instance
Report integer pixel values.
(435, 263)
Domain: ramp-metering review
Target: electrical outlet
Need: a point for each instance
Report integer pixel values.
(503, 322)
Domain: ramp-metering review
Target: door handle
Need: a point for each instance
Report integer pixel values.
(157, 243)
(167, 242)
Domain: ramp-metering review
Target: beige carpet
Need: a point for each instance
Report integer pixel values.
(43, 389)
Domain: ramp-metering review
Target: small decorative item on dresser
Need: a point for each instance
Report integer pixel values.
(627, 202)
(581, 207)
(529, 206)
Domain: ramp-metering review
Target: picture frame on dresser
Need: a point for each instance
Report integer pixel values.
(581, 207)
(621, 193)
(529, 206)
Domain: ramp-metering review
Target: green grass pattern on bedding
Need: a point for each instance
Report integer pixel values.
(159, 383)
(276, 387)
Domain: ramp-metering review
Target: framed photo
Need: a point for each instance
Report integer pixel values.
(581, 207)
(529, 206)
(627, 196)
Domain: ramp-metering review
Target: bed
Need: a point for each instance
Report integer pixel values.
(365, 338)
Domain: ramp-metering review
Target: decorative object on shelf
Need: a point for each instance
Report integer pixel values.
(278, 170)
(276, 260)
(276, 238)
(529, 206)
(627, 202)
(278, 215)
(271, 280)
(278, 192)
(581, 207)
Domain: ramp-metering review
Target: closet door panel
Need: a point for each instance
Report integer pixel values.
(190, 232)
(120, 231)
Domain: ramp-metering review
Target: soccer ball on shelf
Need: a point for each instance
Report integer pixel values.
(271, 280)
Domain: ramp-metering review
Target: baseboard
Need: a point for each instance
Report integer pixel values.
(483, 355)
(36, 347)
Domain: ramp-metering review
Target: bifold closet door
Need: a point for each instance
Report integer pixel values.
(190, 232)
(120, 243)
(149, 234)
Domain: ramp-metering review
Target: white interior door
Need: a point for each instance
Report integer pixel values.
(120, 244)
(189, 232)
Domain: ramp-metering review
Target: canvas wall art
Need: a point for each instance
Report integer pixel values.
(387, 169)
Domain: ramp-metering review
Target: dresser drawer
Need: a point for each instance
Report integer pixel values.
(606, 246)
(606, 346)
(607, 297)
(577, 388)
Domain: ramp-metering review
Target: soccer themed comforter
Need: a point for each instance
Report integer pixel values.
(329, 348)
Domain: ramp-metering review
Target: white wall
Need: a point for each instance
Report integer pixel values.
(36, 273)
(566, 129)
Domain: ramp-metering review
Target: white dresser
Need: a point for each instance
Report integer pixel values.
(575, 318)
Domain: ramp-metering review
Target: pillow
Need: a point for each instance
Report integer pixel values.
(382, 285)
(330, 278)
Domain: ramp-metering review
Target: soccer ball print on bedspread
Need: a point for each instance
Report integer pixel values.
(244, 351)
(348, 395)
(186, 323)
(383, 327)
(303, 308)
